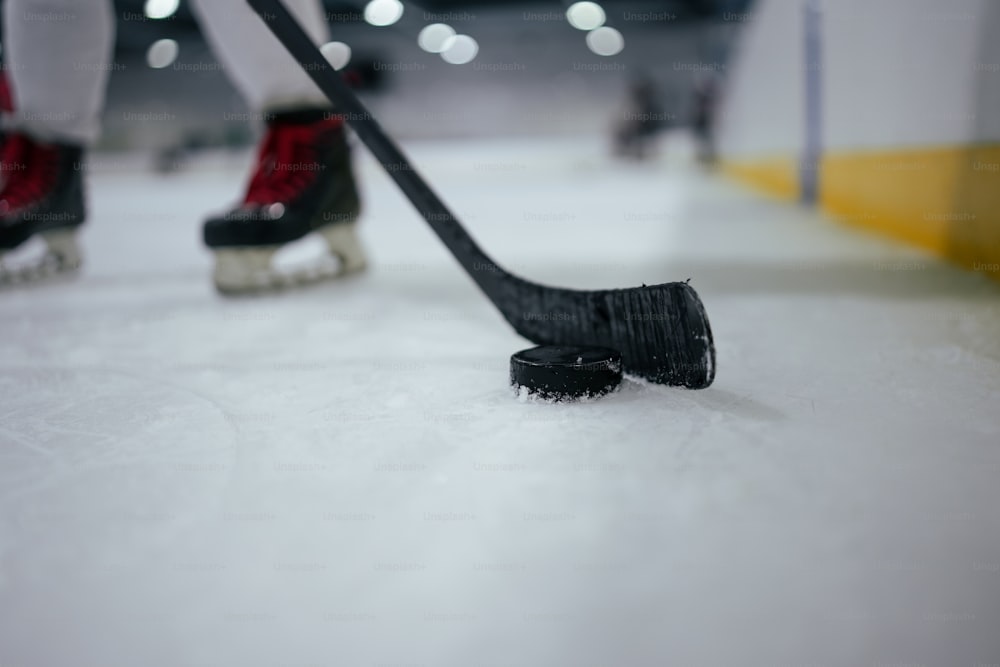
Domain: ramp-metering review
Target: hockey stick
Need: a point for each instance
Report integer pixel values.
(661, 331)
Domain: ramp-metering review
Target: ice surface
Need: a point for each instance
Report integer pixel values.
(341, 476)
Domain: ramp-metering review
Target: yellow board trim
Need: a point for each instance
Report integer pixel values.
(943, 199)
(776, 176)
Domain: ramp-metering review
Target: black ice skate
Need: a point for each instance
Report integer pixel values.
(303, 184)
(41, 195)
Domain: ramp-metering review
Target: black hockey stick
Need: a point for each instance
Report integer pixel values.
(661, 331)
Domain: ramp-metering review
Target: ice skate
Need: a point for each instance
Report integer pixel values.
(41, 197)
(303, 184)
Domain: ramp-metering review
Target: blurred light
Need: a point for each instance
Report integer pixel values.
(585, 15)
(383, 12)
(337, 54)
(161, 9)
(162, 53)
(459, 50)
(434, 38)
(605, 41)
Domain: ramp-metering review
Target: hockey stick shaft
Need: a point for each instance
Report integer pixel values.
(346, 103)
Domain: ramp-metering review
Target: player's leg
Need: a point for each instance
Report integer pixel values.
(56, 54)
(303, 181)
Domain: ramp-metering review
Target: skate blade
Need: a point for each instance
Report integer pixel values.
(251, 270)
(61, 257)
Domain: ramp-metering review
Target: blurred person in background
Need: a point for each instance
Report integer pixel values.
(706, 93)
(58, 55)
(642, 119)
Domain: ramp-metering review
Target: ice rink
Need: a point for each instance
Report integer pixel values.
(340, 476)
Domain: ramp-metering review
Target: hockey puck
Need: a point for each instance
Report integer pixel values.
(566, 373)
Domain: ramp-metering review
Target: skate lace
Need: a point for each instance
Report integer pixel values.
(29, 171)
(287, 163)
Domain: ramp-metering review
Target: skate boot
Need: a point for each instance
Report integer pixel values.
(303, 183)
(41, 195)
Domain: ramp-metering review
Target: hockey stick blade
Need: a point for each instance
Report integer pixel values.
(662, 331)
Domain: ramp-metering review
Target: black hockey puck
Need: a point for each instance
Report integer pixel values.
(566, 373)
